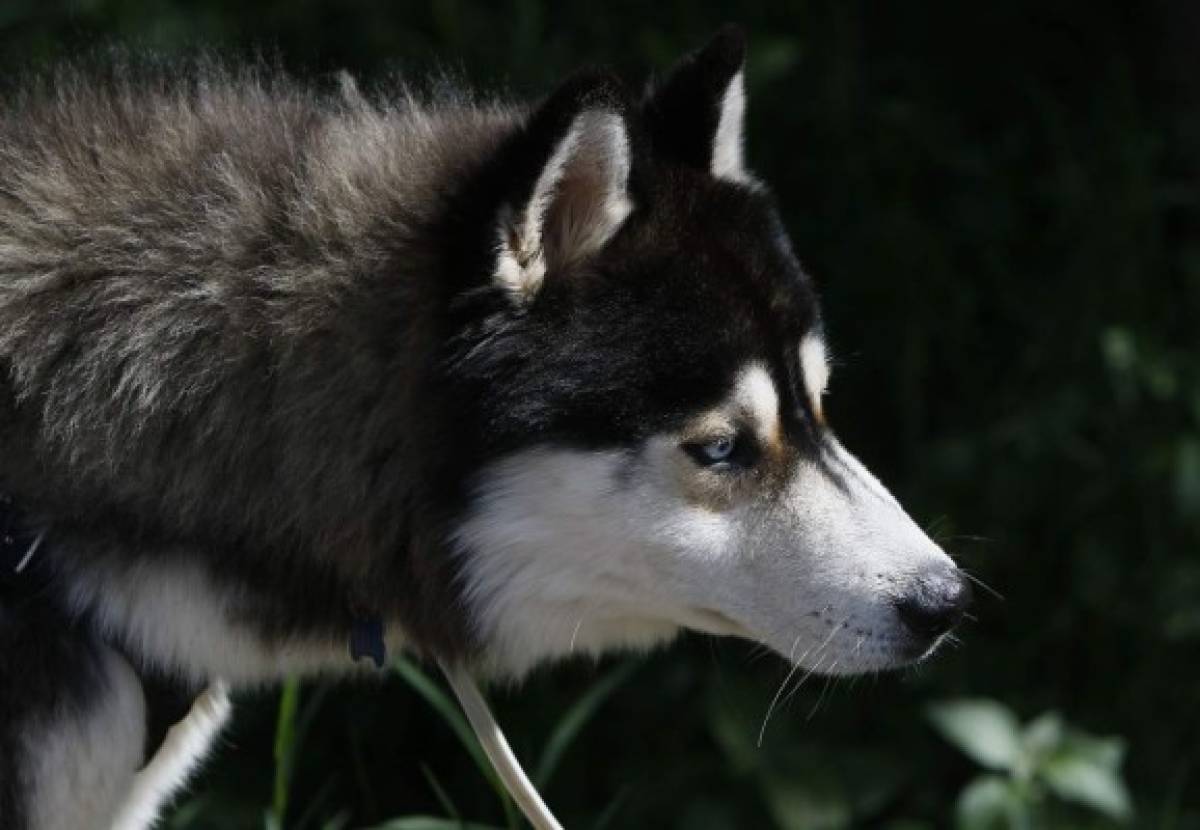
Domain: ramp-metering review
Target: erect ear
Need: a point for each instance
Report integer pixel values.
(697, 113)
(575, 161)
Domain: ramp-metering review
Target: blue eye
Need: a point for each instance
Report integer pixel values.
(725, 453)
(717, 451)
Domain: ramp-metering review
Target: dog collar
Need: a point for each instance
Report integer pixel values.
(366, 640)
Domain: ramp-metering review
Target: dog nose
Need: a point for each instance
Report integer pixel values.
(936, 604)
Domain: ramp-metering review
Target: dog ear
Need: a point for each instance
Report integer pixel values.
(697, 113)
(575, 159)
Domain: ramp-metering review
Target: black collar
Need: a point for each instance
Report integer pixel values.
(366, 640)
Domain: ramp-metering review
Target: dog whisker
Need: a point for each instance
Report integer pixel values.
(964, 537)
(771, 706)
(816, 666)
(796, 664)
(981, 584)
(829, 682)
(575, 634)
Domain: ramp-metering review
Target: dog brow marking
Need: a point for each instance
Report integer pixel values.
(815, 366)
(755, 393)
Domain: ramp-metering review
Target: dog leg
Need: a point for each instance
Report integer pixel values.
(72, 724)
(185, 746)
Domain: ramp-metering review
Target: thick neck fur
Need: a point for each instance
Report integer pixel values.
(219, 303)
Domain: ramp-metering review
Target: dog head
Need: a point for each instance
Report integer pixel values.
(649, 371)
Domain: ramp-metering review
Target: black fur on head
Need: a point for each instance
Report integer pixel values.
(699, 279)
(683, 110)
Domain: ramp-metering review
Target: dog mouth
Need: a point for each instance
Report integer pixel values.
(855, 651)
(717, 623)
(851, 654)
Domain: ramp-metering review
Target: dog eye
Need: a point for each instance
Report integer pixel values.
(716, 451)
(725, 452)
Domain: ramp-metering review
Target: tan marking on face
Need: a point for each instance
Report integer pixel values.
(751, 412)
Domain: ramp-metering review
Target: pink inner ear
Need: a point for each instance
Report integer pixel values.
(590, 199)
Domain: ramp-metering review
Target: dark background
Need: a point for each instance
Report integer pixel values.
(999, 202)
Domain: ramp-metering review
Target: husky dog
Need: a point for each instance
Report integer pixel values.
(286, 369)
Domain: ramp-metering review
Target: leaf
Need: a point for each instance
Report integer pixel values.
(735, 737)
(1187, 477)
(809, 801)
(337, 822)
(984, 730)
(986, 803)
(1043, 734)
(1089, 783)
(576, 718)
(430, 823)
(1105, 752)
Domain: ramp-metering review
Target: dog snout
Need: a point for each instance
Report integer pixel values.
(936, 603)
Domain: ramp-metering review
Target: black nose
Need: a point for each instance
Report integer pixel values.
(935, 604)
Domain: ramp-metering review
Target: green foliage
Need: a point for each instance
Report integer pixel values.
(984, 730)
(1042, 759)
(285, 751)
(571, 724)
(1000, 204)
(447, 708)
(431, 823)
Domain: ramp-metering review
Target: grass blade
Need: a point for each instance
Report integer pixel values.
(454, 718)
(285, 749)
(442, 796)
(576, 718)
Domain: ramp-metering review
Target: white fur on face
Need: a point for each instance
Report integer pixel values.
(186, 745)
(727, 155)
(569, 551)
(825, 566)
(82, 765)
(578, 203)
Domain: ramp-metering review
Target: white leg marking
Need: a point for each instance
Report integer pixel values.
(185, 747)
(82, 764)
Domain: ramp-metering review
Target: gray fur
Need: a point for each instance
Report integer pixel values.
(215, 294)
(209, 295)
